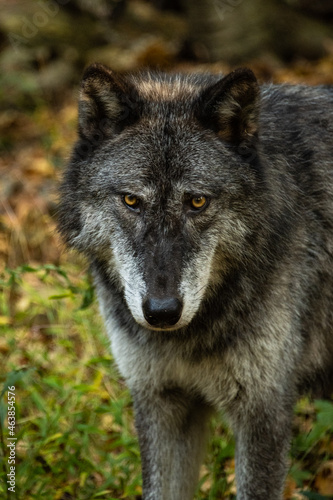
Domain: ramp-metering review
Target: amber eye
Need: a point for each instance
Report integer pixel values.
(198, 202)
(131, 201)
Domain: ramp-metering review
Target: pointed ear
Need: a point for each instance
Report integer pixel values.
(108, 102)
(231, 106)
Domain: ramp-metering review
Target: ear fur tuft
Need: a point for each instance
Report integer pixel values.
(108, 102)
(231, 106)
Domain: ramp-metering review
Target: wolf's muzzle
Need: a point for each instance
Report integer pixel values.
(162, 313)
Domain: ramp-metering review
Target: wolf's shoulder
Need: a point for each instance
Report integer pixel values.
(295, 98)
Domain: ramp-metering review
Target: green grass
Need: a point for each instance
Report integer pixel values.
(74, 424)
(74, 419)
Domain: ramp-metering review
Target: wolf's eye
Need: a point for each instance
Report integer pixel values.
(198, 202)
(131, 201)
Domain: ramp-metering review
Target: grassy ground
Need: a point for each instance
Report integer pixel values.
(74, 425)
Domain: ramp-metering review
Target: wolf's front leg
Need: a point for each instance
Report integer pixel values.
(262, 444)
(172, 429)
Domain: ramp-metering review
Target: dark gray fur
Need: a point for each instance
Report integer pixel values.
(253, 270)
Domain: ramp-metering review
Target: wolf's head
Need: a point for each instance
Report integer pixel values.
(160, 189)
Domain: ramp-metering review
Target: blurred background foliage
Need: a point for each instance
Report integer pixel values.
(76, 438)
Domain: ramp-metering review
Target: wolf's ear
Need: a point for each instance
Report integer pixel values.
(231, 106)
(108, 102)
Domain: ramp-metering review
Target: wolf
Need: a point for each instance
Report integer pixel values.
(204, 204)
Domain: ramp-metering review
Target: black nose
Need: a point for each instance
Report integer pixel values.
(162, 312)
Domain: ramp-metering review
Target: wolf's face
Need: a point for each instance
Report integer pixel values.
(160, 186)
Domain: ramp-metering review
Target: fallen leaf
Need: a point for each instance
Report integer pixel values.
(324, 479)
